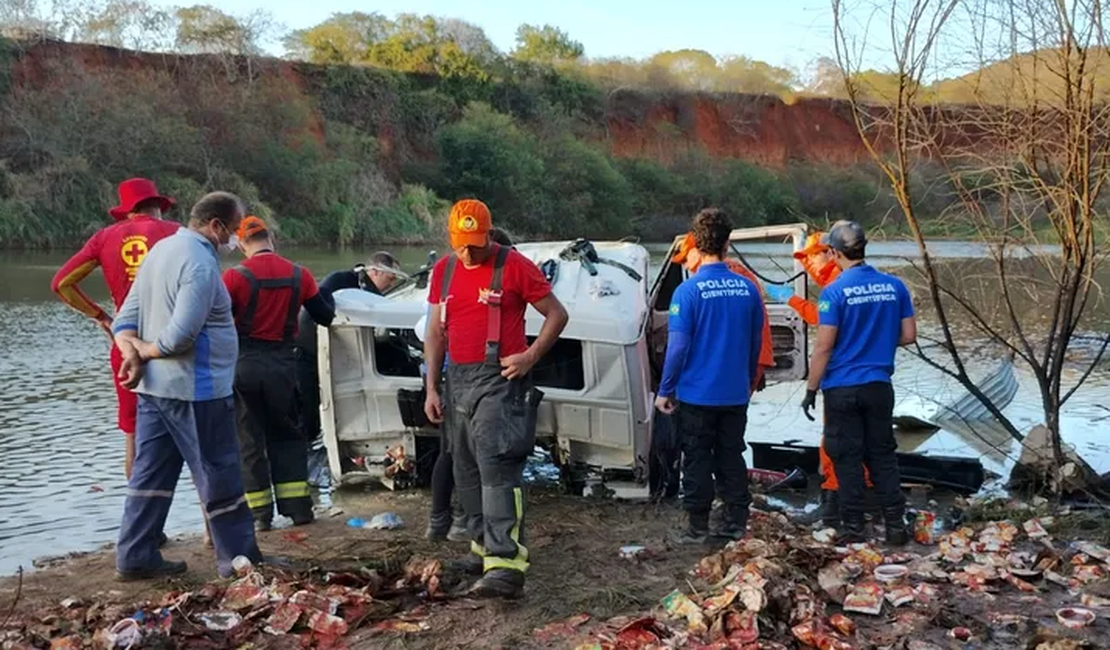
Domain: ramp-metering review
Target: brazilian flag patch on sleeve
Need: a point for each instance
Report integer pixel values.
(674, 309)
(823, 306)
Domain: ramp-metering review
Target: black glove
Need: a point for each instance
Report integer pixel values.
(809, 402)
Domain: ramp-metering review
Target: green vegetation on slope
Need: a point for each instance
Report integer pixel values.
(404, 116)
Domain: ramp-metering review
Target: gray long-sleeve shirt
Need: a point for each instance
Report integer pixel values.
(180, 303)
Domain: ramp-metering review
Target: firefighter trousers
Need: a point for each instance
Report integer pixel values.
(859, 432)
(171, 432)
(491, 435)
(273, 448)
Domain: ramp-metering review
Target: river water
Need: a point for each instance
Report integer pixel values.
(61, 468)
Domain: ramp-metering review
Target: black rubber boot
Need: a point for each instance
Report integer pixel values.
(303, 518)
(830, 509)
(894, 521)
(500, 583)
(853, 530)
(695, 532)
(733, 526)
(166, 569)
(439, 526)
(458, 531)
(470, 564)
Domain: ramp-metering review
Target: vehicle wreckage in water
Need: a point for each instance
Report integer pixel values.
(597, 414)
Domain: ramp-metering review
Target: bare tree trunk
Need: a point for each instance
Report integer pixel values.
(1035, 141)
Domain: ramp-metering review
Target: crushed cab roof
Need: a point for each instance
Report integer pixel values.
(610, 307)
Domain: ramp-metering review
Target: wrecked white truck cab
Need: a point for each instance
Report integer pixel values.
(597, 414)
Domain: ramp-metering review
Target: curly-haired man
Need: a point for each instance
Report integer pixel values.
(707, 380)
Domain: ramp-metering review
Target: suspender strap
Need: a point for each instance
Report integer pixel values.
(493, 303)
(246, 319)
(493, 300)
(245, 323)
(294, 306)
(448, 273)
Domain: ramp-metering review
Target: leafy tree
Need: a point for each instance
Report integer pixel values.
(486, 154)
(548, 45)
(693, 69)
(342, 38)
(204, 29)
(134, 24)
(587, 195)
(745, 75)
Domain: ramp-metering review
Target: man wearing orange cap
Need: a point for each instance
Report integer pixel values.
(490, 396)
(267, 292)
(118, 250)
(817, 260)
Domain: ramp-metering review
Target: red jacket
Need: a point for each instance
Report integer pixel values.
(118, 250)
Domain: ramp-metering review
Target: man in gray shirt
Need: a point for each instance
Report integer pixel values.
(179, 344)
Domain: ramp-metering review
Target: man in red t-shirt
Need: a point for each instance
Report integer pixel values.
(491, 401)
(118, 250)
(267, 292)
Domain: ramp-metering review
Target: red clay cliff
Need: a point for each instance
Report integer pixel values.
(646, 124)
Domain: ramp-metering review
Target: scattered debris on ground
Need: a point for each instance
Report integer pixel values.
(603, 578)
(1000, 585)
(264, 606)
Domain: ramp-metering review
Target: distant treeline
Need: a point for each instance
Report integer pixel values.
(459, 118)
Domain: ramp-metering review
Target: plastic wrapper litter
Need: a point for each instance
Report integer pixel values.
(924, 528)
(865, 598)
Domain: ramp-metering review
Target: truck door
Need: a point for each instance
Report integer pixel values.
(670, 275)
(763, 250)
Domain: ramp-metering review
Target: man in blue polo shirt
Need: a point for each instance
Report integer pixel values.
(709, 383)
(862, 319)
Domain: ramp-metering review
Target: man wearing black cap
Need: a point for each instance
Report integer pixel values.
(862, 319)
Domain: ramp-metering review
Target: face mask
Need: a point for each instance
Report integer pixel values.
(232, 241)
(231, 245)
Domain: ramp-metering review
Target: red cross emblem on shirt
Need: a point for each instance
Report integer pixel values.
(133, 251)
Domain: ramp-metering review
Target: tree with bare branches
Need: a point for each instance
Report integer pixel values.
(1027, 155)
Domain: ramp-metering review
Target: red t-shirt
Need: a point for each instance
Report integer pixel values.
(466, 312)
(118, 249)
(272, 309)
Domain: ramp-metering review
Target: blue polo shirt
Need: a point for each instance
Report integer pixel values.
(867, 308)
(715, 332)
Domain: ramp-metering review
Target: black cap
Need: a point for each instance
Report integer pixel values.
(846, 236)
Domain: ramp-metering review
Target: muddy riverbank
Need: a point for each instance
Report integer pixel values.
(61, 475)
(582, 593)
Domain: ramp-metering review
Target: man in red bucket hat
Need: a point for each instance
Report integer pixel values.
(118, 250)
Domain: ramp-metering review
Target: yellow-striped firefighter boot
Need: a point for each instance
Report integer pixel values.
(261, 503)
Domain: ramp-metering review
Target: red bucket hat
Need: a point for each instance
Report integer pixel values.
(134, 191)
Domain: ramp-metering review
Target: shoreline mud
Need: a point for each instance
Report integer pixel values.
(603, 577)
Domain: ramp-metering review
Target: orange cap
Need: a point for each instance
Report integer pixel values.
(684, 249)
(469, 223)
(251, 226)
(815, 243)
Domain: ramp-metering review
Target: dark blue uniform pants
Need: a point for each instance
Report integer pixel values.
(859, 430)
(202, 434)
(713, 448)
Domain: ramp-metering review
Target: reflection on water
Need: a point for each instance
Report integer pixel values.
(61, 457)
(59, 445)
